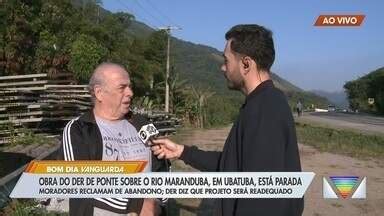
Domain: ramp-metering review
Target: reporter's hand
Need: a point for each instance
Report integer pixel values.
(165, 148)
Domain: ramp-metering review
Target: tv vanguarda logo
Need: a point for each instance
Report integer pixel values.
(353, 187)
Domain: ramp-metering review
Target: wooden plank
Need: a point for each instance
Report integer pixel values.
(4, 141)
(77, 96)
(14, 91)
(73, 108)
(51, 106)
(67, 91)
(13, 98)
(27, 76)
(21, 105)
(164, 122)
(14, 105)
(165, 131)
(43, 113)
(34, 77)
(19, 121)
(21, 114)
(40, 82)
(67, 101)
(65, 86)
(40, 113)
(38, 88)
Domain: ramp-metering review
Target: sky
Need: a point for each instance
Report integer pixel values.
(321, 58)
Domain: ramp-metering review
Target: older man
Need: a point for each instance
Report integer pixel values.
(107, 133)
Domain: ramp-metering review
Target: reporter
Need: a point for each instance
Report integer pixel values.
(262, 139)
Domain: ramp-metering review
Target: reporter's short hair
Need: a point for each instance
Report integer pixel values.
(254, 41)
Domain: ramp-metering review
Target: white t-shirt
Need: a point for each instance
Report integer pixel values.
(122, 143)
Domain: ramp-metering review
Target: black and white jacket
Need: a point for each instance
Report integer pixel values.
(82, 140)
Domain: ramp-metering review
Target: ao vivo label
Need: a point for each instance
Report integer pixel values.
(339, 20)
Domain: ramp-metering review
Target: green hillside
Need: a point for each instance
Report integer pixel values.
(200, 66)
(368, 86)
(61, 36)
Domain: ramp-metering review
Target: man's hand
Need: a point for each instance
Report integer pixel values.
(151, 207)
(165, 148)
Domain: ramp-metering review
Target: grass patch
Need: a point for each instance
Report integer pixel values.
(341, 141)
(23, 136)
(28, 138)
(27, 207)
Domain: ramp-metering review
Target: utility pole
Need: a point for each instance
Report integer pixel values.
(168, 30)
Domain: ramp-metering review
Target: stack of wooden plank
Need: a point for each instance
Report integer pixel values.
(166, 123)
(39, 103)
(43, 104)
(35, 81)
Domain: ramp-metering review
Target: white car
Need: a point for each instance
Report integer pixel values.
(331, 108)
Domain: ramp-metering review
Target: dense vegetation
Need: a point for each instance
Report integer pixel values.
(368, 86)
(59, 36)
(55, 37)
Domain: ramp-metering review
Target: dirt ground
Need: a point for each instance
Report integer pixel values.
(321, 163)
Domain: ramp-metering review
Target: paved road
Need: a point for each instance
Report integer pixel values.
(355, 118)
(359, 122)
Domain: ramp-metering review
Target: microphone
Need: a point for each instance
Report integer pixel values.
(147, 132)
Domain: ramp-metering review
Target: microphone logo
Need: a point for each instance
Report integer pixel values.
(143, 135)
(147, 131)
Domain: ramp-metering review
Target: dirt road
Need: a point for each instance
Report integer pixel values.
(323, 164)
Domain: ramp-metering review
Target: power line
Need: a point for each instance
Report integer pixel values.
(161, 13)
(137, 15)
(147, 12)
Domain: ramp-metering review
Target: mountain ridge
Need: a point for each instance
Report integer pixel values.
(200, 64)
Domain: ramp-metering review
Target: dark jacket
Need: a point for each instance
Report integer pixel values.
(82, 140)
(262, 139)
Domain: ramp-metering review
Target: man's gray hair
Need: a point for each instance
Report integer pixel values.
(98, 77)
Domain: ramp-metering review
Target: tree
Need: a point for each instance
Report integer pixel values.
(85, 55)
(17, 36)
(368, 86)
(201, 96)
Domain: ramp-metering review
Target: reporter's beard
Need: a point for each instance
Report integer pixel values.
(235, 85)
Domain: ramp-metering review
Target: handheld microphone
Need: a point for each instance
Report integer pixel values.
(147, 132)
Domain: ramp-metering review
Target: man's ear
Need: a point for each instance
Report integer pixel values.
(246, 63)
(98, 92)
